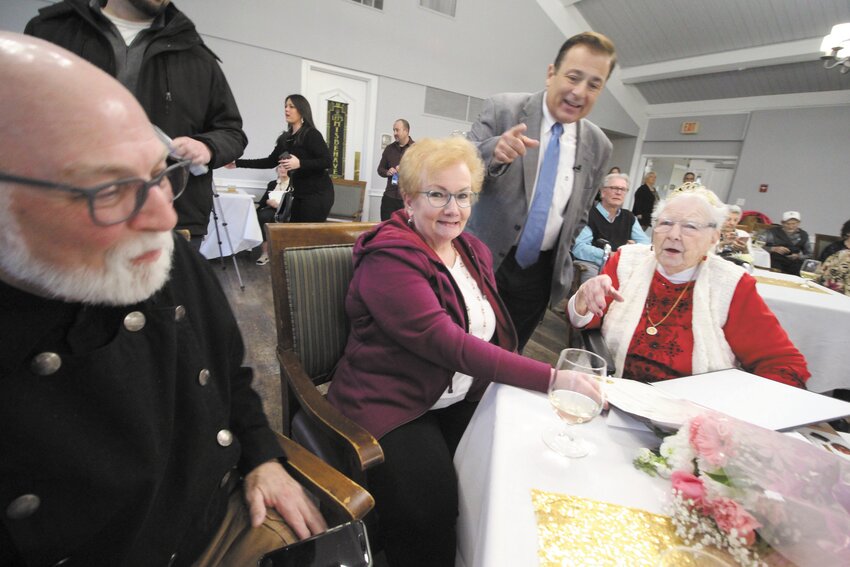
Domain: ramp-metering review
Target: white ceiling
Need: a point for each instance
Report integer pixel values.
(677, 56)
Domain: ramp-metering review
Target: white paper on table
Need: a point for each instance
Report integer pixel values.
(621, 419)
(757, 400)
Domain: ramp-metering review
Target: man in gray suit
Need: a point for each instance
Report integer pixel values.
(516, 136)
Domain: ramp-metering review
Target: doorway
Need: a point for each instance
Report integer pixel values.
(322, 83)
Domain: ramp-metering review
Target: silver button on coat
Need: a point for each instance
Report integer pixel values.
(23, 507)
(134, 321)
(224, 438)
(46, 363)
(204, 377)
(179, 313)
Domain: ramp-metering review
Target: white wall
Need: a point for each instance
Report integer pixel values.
(480, 52)
(802, 154)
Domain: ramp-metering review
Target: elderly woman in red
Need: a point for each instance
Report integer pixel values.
(675, 309)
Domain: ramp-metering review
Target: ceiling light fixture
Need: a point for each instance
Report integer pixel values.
(836, 48)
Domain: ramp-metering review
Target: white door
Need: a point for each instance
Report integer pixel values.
(322, 83)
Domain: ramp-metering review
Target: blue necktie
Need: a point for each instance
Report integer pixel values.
(528, 249)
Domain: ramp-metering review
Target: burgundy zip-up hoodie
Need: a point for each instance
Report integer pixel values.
(409, 331)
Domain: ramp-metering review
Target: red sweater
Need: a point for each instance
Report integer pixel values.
(759, 342)
(409, 331)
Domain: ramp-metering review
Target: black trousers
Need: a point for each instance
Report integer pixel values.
(415, 489)
(785, 264)
(314, 207)
(525, 292)
(389, 205)
(265, 215)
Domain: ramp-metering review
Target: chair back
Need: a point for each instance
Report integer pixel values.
(821, 242)
(317, 279)
(348, 200)
(311, 268)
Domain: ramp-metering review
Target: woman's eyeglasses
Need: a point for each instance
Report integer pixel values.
(688, 228)
(439, 199)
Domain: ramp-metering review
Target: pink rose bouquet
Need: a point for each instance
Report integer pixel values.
(756, 494)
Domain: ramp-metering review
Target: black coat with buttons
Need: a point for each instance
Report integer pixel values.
(122, 426)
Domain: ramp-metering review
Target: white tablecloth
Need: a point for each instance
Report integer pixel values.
(818, 324)
(761, 257)
(502, 457)
(238, 210)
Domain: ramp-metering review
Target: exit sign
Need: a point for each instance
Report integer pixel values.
(690, 127)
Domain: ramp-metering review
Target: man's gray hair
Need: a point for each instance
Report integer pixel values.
(734, 209)
(606, 181)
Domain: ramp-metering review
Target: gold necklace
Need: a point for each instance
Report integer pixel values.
(652, 329)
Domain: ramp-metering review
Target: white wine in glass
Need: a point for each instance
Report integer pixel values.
(575, 407)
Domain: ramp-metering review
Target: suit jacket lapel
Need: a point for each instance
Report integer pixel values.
(532, 117)
(584, 164)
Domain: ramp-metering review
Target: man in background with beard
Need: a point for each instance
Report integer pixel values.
(152, 48)
(128, 421)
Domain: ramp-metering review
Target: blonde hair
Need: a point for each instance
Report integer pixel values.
(431, 155)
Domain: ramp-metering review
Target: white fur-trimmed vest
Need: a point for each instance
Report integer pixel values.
(715, 285)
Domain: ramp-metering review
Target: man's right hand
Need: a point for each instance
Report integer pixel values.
(513, 144)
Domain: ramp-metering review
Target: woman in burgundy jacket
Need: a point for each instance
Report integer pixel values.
(428, 334)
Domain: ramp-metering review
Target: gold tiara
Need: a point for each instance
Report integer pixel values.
(693, 188)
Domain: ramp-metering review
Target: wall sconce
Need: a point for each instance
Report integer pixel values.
(836, 48)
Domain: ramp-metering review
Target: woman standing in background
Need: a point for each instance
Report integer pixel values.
(302, 152)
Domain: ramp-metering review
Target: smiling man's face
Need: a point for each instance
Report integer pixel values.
(572, 88)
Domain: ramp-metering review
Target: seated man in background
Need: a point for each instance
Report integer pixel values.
(607, 223)
(788, 244)
(128, 419)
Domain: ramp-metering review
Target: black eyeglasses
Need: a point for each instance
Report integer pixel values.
(117, 201)
(439, 198)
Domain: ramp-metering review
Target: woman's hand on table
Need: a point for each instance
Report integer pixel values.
(579, 382)
(592, 295)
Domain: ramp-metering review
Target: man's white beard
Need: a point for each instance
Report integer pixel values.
(117, 282)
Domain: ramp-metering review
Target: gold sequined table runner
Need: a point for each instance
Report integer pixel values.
(575, 531)
(794, 285)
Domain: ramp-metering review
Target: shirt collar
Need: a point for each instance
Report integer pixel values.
(604, 211)
(680, 277)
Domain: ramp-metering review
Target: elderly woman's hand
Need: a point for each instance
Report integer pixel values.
(592, 294)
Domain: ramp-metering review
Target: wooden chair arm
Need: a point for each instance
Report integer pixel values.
(342, 499)
(365, 447)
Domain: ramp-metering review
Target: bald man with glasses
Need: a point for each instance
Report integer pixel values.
(131, 433)
(607, 223)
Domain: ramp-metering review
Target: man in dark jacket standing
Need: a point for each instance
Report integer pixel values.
(153, 49)
(128, 419)
(388, 167)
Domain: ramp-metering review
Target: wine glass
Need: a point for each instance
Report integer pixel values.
(575, 407)
(809, 269)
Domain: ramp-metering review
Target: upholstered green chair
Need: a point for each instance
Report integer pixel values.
(311, 269)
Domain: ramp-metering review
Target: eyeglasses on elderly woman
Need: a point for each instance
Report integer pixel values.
(688, 228)
(117, 201)
(439, 198)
